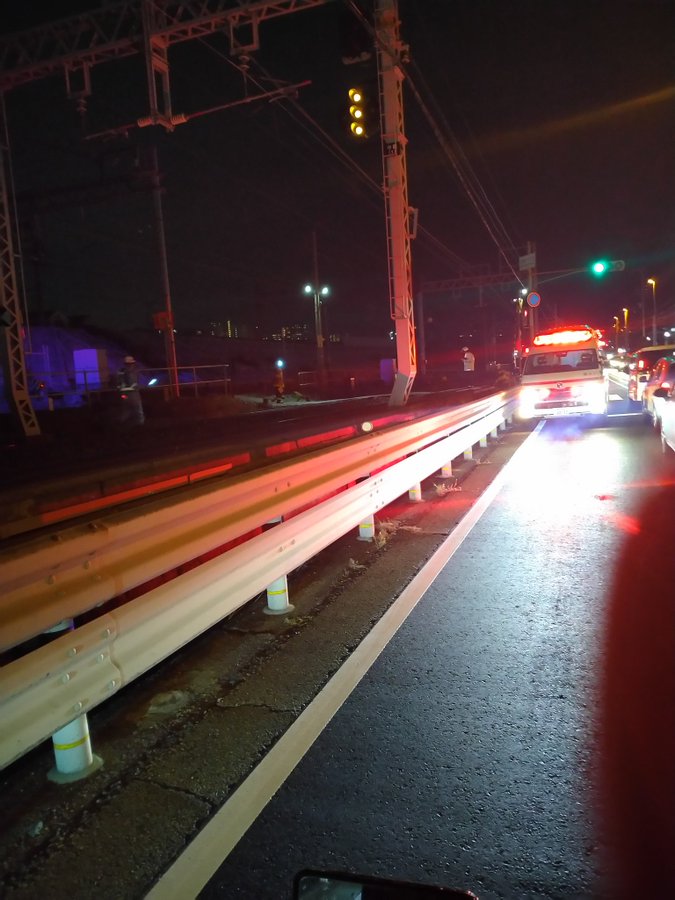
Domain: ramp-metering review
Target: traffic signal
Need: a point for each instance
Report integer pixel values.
(601, 266)
(357, 113)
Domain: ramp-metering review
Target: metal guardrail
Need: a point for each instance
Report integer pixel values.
(74, 387)
(77, 569)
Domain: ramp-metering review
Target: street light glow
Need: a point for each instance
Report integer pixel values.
(317, 293)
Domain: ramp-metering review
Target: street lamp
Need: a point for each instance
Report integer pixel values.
(652, 281)
(318, 292)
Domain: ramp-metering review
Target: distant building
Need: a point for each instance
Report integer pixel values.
(226, 329)
(293, 333)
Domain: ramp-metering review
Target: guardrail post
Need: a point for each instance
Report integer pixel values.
(495, 432)
(277, 592)
(415, 493)
(277, 598)
(72, 752)
(483, 442)
(468, 453)
(367, 528)
(446, 471)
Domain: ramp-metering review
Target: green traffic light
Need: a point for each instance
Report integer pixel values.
(600, 267)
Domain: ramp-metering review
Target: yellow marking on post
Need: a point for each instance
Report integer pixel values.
(72, 746)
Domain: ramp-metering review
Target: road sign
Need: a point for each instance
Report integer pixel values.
(533, 298)
(529, 261)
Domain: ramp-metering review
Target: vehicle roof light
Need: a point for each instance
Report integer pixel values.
(566, 336)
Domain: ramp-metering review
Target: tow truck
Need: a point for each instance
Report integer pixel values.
(563, 375)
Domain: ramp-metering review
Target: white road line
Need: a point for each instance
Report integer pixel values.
(200, 860)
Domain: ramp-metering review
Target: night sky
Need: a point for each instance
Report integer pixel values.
(561, 111)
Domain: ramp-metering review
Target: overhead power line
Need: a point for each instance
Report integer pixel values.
(468, 179)
(303, 119)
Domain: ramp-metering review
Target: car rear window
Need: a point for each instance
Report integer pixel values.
(560, 361)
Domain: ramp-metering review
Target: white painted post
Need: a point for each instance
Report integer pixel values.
(72, 752)
(277, 598)
(415, 493)
(277, 592)
(495, 432)
(468, 453)
(367, 528)
(483, 441)
(446, 471)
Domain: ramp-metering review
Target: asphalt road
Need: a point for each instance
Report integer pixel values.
(465, 755)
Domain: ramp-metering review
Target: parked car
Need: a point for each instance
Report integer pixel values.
(667, 416)
(662, 376)
(641, 365)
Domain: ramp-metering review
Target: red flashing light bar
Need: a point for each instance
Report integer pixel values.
(564, 337)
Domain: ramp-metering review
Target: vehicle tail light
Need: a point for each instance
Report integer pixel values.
(666, 385)
(529, 397)
(534, 394)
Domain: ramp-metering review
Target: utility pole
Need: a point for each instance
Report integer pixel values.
(532, 286)
(390, 57)
(318, 328)
(421, 334)
(169, 333)
(652, 283)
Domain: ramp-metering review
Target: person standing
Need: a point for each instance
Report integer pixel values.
(127, 382)
(468, 359)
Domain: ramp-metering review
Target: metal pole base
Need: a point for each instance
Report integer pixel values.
(68, 777)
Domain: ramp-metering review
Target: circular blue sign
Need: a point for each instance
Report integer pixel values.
(533, 298)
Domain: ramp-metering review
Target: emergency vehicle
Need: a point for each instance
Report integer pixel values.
(563, 375)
